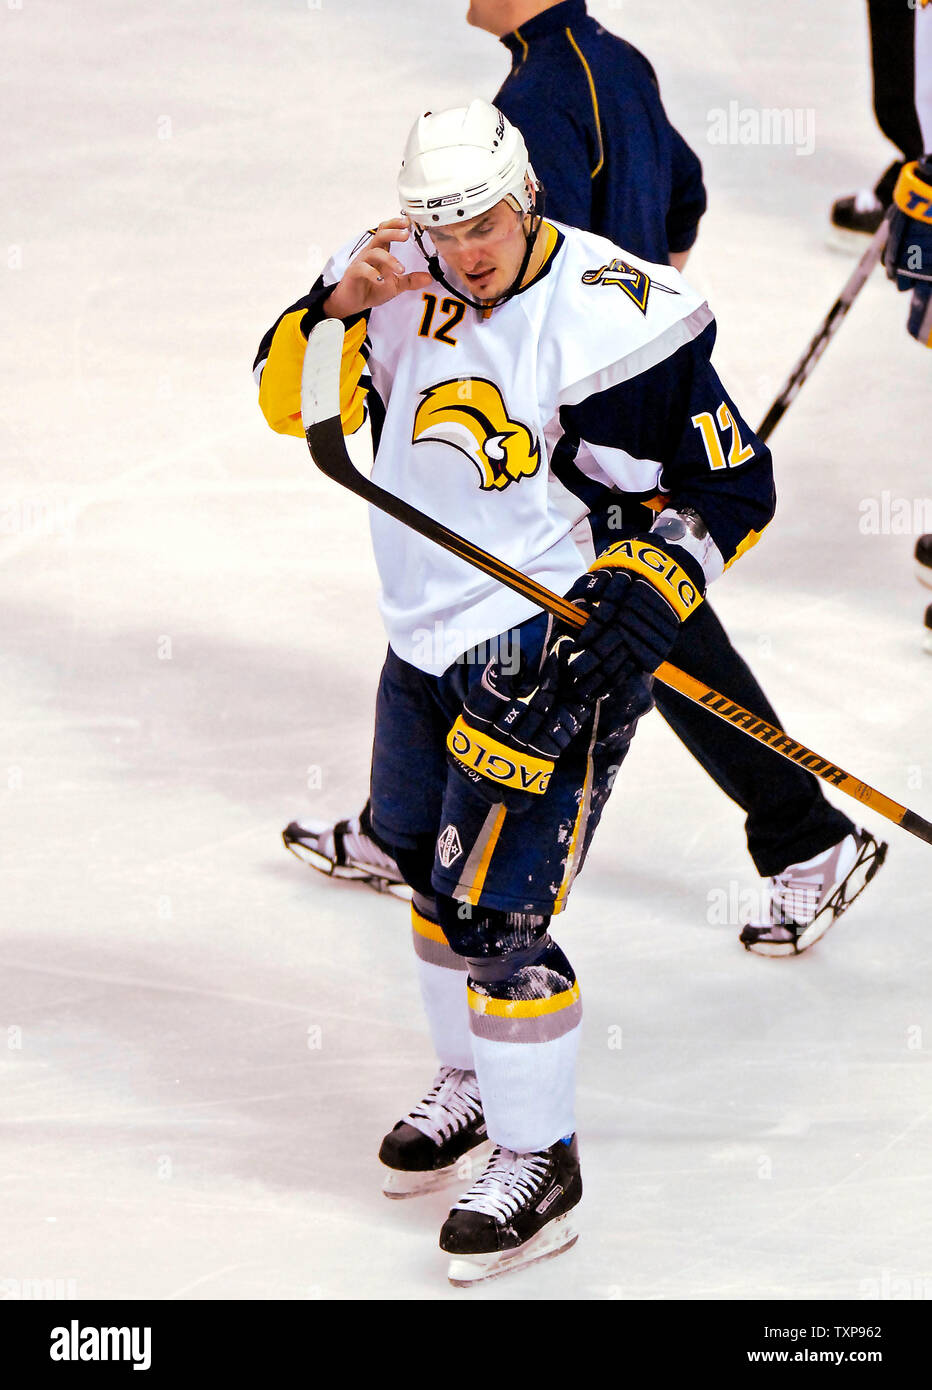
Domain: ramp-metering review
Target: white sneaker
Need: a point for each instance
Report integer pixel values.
(343, 850)
(807, 898)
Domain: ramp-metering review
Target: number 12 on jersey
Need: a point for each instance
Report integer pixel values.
(711, 438)
(454, 307)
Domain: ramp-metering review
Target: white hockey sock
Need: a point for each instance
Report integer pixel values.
(525, 1055)
(442, 976)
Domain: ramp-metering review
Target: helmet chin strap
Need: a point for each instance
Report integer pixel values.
(530, 238)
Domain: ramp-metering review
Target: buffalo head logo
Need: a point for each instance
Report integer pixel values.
(470, 415)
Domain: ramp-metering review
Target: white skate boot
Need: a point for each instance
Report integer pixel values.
(520, 1211)
(436, 1142)
(807, 898)
(344, 850)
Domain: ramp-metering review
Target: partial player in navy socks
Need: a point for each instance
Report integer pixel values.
(908, 257)
(893, 35)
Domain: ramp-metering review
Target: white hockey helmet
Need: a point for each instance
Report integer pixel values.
(459, 163)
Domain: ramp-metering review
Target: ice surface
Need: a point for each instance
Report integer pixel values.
(202, 1042)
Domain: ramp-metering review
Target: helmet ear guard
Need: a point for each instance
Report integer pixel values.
(532, 187)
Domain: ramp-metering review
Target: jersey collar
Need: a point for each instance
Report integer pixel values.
(552, 21)
(553, 240)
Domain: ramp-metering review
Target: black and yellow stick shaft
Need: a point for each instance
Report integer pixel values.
(324, 433)
(779, 742)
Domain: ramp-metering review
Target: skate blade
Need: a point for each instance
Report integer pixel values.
(465, 1270)
(870, 858)
(315, 860)
(399, 1184)
(770, 948)
(924, 574)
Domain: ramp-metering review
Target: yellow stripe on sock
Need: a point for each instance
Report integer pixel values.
(426, 928)
(522, 1008)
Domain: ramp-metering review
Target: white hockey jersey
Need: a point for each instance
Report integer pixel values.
(469, 410)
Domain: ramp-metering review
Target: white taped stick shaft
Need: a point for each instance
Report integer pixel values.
(320, 377)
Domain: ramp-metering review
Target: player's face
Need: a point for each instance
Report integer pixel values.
(487, 14)
(486, 252)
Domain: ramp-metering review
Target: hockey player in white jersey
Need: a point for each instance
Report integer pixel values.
(495, 353)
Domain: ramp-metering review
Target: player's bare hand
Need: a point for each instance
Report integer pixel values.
(375, 276)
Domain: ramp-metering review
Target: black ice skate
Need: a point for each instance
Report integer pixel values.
(860, 212)
(807, 898)
(344, 850)
(436, 1143)
(924, 560)
(855, 217)
(518, 1212)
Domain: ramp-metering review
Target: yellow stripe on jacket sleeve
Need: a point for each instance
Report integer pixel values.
(595, 102)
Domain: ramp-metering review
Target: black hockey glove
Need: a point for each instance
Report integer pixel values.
(508, 737)
(635, 595)
(908, 256)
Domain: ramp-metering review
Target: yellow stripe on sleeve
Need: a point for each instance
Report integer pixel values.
(352, 395)
(280, 386)
(750, 539)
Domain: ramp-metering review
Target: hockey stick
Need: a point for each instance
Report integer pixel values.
(830, 325)
(323, 428)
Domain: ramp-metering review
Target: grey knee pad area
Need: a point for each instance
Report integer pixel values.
(496, 944)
